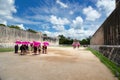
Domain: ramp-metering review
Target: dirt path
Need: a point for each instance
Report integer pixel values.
(59, 64)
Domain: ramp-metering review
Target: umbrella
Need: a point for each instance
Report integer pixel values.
(18, 42)
(35, 43)
(46, 43)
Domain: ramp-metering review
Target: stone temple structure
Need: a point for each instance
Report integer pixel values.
(107, 38)
(8, 36)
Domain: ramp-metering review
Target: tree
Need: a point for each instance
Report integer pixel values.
(45, 35)
(64, 40)
(30, 30)
(86, 41)
(16, 27)
(61, 39)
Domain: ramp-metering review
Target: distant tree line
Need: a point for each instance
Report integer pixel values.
(69, 41)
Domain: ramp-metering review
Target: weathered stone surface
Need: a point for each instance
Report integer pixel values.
(8, 36)
(109, 31)
(98, 37)
(107, 38)
(111, 52)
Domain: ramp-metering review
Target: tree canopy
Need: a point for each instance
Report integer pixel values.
(64, 40)
(30, 30)
(16, 27)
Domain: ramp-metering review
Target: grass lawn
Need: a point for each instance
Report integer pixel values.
(6, 49)
(111, 65)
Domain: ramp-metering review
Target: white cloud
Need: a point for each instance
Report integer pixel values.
(77, 23)
(76, 31)
(58, 23)
(91, 14)
(106, 5)
(73, 33)
(59, 27)
(71, 12)
(61, 4)
(7, 8)
(3, 22)
(45, 26)
(21, 26)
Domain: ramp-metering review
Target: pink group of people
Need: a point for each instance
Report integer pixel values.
(36, 47)
(76, 44)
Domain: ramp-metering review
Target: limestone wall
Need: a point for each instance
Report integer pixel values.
(107, 38)
(111, 52)
(109, 31)
(98, 37)
(9, 35)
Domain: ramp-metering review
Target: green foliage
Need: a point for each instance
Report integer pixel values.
(16, 27)
(85, 41)
(30, 30)
(111, 65)
(3, 25)
(6, 49)
(64, 40)
(45, 35)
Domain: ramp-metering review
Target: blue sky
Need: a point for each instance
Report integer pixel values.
(72, 18)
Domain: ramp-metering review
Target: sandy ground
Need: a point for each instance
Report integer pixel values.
(59, 64)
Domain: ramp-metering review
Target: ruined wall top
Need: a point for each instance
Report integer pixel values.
(117, 2)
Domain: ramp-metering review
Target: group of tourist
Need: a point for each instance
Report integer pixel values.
(76, 44)
(35, 47)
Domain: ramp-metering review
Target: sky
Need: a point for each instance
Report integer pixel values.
(77, 19)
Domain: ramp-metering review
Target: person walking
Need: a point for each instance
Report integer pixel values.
(16, 48)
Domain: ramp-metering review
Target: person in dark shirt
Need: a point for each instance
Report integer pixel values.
(35, 50)
(39, 49)
(16, 48)
(44, 49)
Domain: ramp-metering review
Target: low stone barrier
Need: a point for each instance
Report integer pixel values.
(7, 45)
(111, 52)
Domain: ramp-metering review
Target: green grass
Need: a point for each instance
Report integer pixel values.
(115, 69)
(6, 49)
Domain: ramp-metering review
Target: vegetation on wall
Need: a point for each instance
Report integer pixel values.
(3, 25)
(30, 30)
(16, 27)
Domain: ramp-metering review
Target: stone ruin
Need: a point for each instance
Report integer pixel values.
(107, 38)
(8, 36)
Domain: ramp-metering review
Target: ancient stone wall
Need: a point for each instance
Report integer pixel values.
(110, 32)
(8, 36)
(111, 52)
(98, 37)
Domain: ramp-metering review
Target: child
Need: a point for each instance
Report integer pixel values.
(39, 49)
